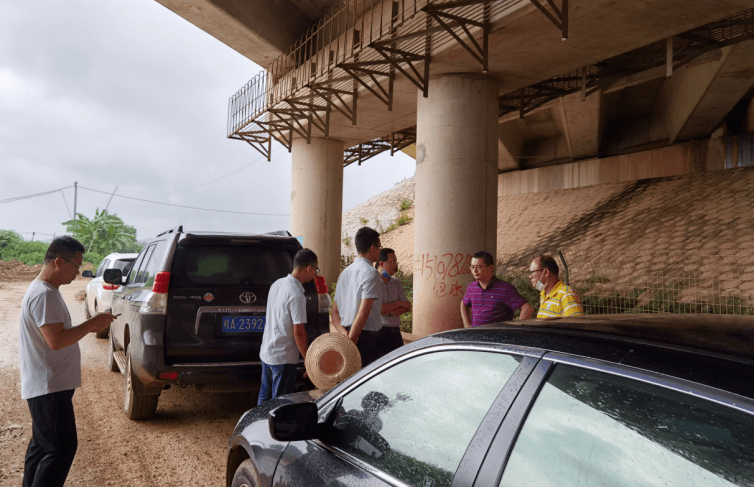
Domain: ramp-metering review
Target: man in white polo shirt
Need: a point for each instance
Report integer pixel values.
(284, 334)
(358, 297)
(51, 364)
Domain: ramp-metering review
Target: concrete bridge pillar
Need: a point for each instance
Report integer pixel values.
(317, 200)
(456, 193)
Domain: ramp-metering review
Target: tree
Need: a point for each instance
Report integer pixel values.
(103, 234)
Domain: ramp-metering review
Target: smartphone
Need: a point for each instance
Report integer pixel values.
(116, 315)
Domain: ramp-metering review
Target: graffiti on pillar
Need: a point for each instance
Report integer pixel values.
(442, 269)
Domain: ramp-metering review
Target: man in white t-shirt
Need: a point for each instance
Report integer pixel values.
(357, 308)
(51, 364)
(284, 334)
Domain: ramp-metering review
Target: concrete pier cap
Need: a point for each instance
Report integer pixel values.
(456, 193)
(317, 200)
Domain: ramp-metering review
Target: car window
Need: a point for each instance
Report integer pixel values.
(415, 420)
(148, 272)
(141, 273)
(588, 428)
(229, 265)
(137, 264)
(123, 264)
(105, 264)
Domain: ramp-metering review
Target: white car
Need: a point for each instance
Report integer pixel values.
(99, 295)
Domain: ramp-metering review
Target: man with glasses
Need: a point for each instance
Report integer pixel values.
(394, 302)
(556, 299)
(490, 298)
(51, 364)
(284, 335)
(356, 310)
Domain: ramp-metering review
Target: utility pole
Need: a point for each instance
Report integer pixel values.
(32, 236)
(75, 196)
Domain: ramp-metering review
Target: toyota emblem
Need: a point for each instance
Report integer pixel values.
(248, 297)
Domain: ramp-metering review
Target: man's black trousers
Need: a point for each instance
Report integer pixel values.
(53, 443)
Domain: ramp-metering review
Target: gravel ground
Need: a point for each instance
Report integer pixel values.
(185, 444)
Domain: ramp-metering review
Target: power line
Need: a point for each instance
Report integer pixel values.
(66, 204)
(14, 199)
(185, 206)
(215, 180)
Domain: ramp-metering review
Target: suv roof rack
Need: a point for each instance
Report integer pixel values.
(177, 230)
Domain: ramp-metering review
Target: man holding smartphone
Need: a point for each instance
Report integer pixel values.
(51, 364)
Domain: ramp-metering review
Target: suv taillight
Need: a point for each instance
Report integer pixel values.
(156, 302)
(108, 286)
(324, 298)
(161, 282)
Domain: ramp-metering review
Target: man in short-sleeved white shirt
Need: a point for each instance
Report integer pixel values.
(284, 334)
(51, 364)
(358, 297)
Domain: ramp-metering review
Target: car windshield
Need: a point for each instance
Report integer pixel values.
(229, 265)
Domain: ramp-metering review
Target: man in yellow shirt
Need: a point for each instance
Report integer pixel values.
(556, 299)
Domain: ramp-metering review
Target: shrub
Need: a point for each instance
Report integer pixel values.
(405, 204)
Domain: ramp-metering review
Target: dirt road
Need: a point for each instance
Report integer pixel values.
(185, 444)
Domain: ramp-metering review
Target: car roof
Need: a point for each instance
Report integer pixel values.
(711, 350)
(119, 255)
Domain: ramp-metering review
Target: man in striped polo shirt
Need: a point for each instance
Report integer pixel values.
(555, 298)
(490, 298)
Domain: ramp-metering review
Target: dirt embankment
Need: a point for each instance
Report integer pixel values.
(185, 444)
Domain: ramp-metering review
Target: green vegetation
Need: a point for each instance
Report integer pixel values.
(103, 234)
(100, 236)
(405, 204)
(364, 221)
(346, 240)
(403, 219)
(407, 319)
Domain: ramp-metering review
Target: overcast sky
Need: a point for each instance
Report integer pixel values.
(113, 93)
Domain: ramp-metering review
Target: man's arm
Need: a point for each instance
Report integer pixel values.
(396, 308)
(361, 318)
(465, 315)
(299, 333)
(58, 338)
(526, 311)
(336, 322)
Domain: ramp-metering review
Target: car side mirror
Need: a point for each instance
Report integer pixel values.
(294, 422)
(87, 274)
(113, 276)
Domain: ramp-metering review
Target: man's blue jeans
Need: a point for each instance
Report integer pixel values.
(276, 380)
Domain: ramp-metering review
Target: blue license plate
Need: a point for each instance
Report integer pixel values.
(242, 324)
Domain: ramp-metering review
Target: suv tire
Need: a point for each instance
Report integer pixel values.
(246, 475)
(137, 407)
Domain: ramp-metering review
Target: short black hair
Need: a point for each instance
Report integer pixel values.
(488, 259)
(385, 253)
(65, 247)
(548, 262)
(366, 237)
(305, 257)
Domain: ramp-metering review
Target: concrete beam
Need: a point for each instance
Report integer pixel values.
(696, 99)
(510, 146)
(261, 30)
(583, 123)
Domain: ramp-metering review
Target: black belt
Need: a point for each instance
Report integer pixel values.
(393, 329)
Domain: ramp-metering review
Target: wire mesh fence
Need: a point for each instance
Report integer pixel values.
(696, 282)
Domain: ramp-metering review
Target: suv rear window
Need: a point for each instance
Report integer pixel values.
(229, 265)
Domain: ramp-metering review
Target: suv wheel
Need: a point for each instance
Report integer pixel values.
(246, 475)
(137, 407)
(112, 364)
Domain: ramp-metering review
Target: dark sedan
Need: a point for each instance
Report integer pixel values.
(612, 400)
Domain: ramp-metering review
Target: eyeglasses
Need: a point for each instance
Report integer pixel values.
(74, 264)
(316, 270)
(531, 273)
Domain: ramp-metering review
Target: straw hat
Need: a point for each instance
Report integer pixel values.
(330, 359)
